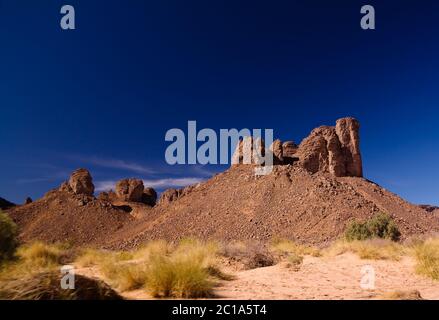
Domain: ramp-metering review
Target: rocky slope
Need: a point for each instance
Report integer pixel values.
(316, 188)
(291, 203)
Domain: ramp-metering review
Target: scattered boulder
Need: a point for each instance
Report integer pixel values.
(169, 196)
(28, 200)
(429, 208)
(149, 197)
(130, 190)
(109, 196)
(80, 182)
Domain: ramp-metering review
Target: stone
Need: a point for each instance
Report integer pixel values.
(347, 130)
(334, 150)
(80, 182)
(130, 190)
(169, 196)
(149, 197)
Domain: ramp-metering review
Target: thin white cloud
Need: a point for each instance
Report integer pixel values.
(154, 183)
(115, 164)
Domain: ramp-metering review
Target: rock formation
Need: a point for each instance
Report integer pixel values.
(335, 150)
(130, 190)
(80, 182)
(289, 148)
(348, 131)
(28, 200)
(169, 196)
(149, 197)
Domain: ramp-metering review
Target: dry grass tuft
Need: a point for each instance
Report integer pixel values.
(251, 255)
(284, 246)
(46, 286)
(183, 271)
(375, 249)
(426, 254)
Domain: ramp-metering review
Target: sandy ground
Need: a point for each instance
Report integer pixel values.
(326, 278)
(334, 278)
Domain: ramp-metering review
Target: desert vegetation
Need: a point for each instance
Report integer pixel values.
(370, 249)
(426, 254)
(186, 270)
(380, 226)
(8, 237)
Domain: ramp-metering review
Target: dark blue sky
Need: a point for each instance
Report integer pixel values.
(104, 95)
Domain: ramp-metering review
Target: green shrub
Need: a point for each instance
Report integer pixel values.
(8, 237)
(380, 226)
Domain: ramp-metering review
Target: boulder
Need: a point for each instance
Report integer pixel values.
(130, 190)
(276, 149)
(289, 148)
(108, 196)
(169, 196)
(28, 200)
(80, 182)
(149, 197)
(333, 149)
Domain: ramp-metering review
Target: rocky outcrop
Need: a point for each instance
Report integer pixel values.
(289, 149)
(429, 208)
(348, 132)
(149, 197)
(276, 149)
(169, 196)
(130, 190)
(80, 182)
(321, 152)
(331, 149)
(335, 150)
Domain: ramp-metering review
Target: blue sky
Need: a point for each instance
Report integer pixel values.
(104, 95)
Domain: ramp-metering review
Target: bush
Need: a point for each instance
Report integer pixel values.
(380, 226)
(8, 237)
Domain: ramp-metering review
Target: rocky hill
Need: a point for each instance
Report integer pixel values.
(316, 188)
